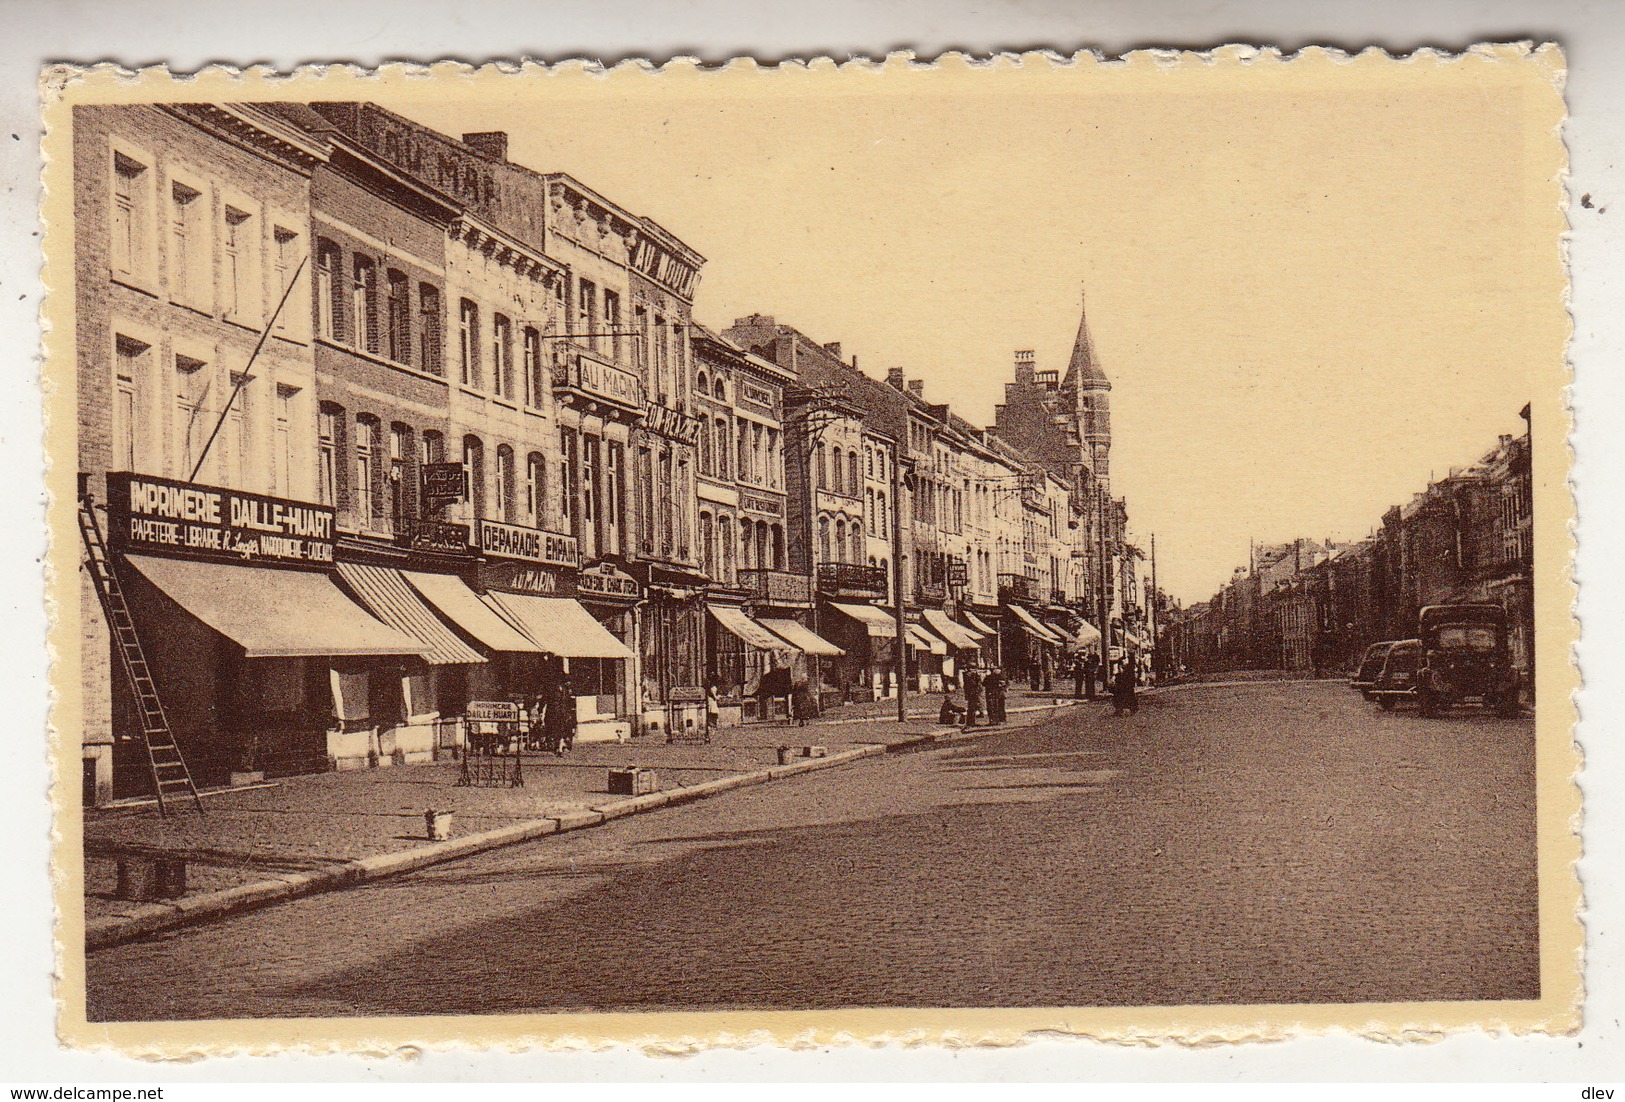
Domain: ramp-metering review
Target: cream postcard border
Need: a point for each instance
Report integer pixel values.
(1538, 71)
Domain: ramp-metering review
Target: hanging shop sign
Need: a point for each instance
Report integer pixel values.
(441, 484)
(163, 516)
(604, 580)
(685, 694)
(509, 541)
(434, 535)
(958, 573)
(670, 423)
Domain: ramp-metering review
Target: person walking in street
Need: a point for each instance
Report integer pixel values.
(1091, 672)
(801, 701)
(1123, 695)
(973, 697)
(1077, 677)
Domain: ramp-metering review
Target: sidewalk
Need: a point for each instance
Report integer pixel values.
(304, 833)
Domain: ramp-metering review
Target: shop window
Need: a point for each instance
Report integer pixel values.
(398, 322)
(428, 335)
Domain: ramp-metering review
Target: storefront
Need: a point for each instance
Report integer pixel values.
(1030, 650)
(985, 620)
(265, 666)
(612, 596)
(963, 645)
(742, 656)
(576, 647)
(671, 649)
(868, 637)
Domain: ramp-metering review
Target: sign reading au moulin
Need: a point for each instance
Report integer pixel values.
(162, 516)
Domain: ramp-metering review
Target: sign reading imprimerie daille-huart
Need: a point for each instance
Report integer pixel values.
(164, 516)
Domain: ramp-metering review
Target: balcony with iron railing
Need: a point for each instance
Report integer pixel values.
(847, 579)
(1017, 587)
(777, 587)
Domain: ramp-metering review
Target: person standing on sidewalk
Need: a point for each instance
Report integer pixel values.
(1123, 695)
(1091, 672)
(995, 688)
(713, 711)
(973, 697)
(1077, 677)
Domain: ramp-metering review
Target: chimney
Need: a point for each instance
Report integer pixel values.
(834, 349)
(894, 376)
(1024, 366)
(492, 143)
(916, 387)
(854, 361)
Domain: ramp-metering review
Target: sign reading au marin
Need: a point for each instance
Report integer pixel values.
(509, 541)
(168, 517)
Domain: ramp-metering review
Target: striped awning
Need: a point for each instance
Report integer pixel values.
(804, 639)
(956, 636)
(387, 595)
(1032, 627)
(754, 634)
(977, 622)
(879, 623)
(558, 625)
(463, 607)
(921, 639)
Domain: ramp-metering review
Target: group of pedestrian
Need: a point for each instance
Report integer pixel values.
(985, 694)
(1085, 670)
(552, 716)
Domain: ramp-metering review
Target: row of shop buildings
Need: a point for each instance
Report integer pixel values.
(1314, 606)
(379, 423)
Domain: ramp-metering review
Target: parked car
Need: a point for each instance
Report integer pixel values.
(1466, 659)
(1370, 666)
(1397, 681)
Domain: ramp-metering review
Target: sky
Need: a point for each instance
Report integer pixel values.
(1311, 290)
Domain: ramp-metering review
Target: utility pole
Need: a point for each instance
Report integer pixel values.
(244, 377)
(901, 644)
(1104, 587)
(1151, 602)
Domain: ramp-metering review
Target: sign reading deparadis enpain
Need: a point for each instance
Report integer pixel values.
(162, 516)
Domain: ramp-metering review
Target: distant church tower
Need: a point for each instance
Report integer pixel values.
(1091, 393)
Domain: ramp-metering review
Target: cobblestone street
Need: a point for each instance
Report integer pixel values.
(1235, 843)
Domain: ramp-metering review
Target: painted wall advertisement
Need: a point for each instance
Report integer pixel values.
(163, 516)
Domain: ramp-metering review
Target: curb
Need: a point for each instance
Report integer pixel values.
(151, 917)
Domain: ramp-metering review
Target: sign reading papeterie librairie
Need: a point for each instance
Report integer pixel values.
(162, 516)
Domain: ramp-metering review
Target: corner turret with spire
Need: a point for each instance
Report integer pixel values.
(1089, 389)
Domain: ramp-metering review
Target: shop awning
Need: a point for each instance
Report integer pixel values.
(558, 625)
(978, 623)
(801, 638)
(1086, 636)
(387, 596)
(735, 621)
(881, 624)
(1032, 627)
(274, 613)
(463, 607)
(924, 640)
(952, 632)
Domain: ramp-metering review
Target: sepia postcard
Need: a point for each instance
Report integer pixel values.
(894, 551)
